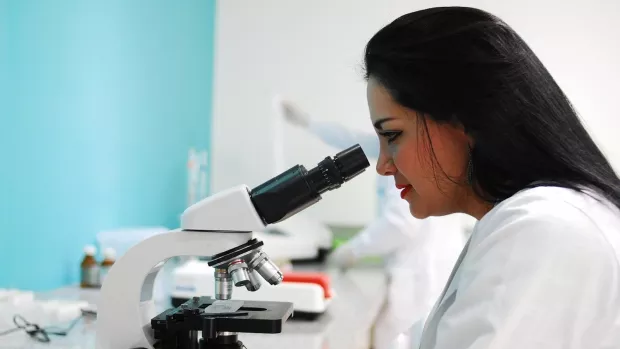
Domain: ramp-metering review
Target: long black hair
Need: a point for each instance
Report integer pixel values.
(467, 67)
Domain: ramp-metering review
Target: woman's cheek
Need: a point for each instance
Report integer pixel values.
(399, 161)
(405, 161)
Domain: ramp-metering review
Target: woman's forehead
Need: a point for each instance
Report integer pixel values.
(382, 105)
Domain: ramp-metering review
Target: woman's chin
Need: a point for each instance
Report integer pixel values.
(419, 215)
(417, 211)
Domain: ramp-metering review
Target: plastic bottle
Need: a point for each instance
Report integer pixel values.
(109, 257)
(89, 268)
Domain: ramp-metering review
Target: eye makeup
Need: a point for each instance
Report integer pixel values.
(390, 136)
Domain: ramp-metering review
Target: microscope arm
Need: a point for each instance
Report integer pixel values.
(126, 305)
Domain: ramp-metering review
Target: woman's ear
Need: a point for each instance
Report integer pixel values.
(461, 133)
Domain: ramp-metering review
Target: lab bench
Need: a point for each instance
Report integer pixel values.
(347, 323)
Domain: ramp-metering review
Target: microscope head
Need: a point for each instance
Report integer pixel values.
(241, 209)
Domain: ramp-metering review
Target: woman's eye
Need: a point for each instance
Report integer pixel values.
(390, 136)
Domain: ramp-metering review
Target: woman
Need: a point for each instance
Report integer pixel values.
(470, 121)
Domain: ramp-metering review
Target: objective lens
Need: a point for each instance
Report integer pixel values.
(266, 268)
(255, 283)
(223, 284)
(239, 272)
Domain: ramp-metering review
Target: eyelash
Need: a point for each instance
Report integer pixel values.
(390, 135)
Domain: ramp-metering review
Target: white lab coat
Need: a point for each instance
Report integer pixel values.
(541, 271)
(420, 253)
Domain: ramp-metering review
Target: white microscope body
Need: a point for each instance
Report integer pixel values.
(219, 223)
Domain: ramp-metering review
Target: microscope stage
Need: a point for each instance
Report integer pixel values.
(213, 316)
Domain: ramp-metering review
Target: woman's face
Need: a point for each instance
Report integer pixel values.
(429, 164)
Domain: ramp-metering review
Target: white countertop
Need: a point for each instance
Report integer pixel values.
(360, 293)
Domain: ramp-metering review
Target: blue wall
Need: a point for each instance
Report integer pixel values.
(99, 104)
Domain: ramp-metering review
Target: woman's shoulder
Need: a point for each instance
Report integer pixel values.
(561, 215)
(556, 202)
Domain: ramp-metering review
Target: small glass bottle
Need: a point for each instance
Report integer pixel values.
(109, 257)
(89, 268)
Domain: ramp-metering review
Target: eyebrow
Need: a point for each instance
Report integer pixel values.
(378, 124)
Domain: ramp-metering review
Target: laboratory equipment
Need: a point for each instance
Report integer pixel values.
(109, 256)
(219, 321)
(219, 227)
(89, 268)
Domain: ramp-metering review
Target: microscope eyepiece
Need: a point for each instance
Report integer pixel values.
(297, 188)
(351, 162)
(330, 173)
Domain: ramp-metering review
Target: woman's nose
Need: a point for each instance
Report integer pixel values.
(385, 166)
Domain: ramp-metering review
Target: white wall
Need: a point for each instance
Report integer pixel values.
(312, 51)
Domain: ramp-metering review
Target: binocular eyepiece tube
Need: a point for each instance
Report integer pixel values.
(298, 188)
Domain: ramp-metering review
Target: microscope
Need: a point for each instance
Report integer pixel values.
(218, 228)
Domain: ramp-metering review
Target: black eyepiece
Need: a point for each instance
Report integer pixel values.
(351, 162)
(297, 188)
